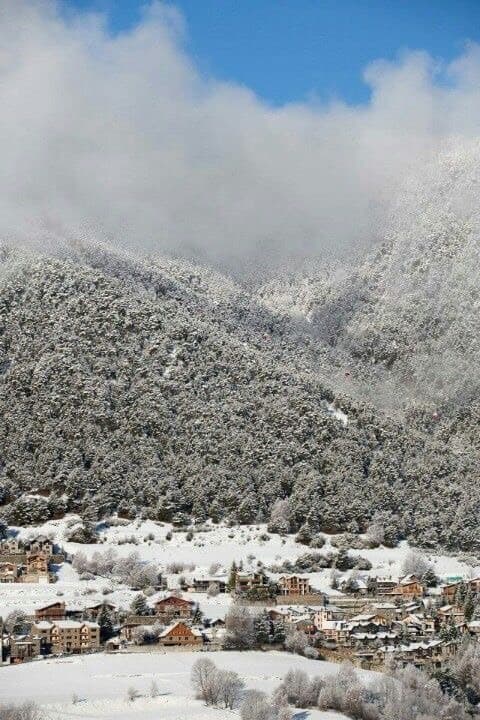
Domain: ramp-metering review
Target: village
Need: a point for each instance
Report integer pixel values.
(367, 621)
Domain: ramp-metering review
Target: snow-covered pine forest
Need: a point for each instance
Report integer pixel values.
(164, 389)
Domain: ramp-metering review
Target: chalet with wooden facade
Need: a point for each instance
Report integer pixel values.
(174, 607)
(9, 572)
(204, 584)
(408, 587)
(294, 585)
(54, 611)
(179, 633)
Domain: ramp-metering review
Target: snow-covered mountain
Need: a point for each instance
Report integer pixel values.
(162, 387)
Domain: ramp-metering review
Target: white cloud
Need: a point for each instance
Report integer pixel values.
(122, 137)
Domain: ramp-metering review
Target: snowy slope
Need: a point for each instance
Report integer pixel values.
(101, 683)
(220, 544)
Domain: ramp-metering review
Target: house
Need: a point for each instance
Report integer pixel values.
(327, 613)
(429, 625)
(474, 584)
(9, 572)
(276, 615)
(245, 582)
(366, 626)
(431, 653)
(36, 568)
(387, 610)
(23, 648)
(113, 644)
(411, 625)
(204, 584)
(408, 587)
(294, 585)
(174, 607)
(67, 636)
(131, 625)
(93, 611)
(411, 608)
(336, 631)
(451, 613)
(11, 546)
(384, 586)
(39, 544)
(450, 590)
(473, 628)
(37, 563)
(374, 638)
(54, 611)
(369, 619)
(356, 585)
(303, 624)
(178, 633)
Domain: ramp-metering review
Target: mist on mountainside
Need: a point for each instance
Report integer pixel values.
(408, 316)
(121, 138)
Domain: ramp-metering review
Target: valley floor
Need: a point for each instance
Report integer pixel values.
(101, 683)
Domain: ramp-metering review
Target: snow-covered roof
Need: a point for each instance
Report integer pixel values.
(375, 636)
(409, 579)
(426, 645)
(385, 606)
(210, 578)
(68, 624)
(172, 626)
(329, 609)
(415, 619)
(294, 575)
(44, 625)
(335, 625)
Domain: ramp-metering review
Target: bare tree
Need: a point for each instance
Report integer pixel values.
(213, 589)
(132, 693)
(240, 629)
(416, 563)
(230, 686)
(296, 642)
(257, 707)
(154, 691)
(25, 711)
(203, 678)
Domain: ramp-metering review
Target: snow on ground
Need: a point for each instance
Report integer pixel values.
(217, 544)
(337, 413)
(101, 683)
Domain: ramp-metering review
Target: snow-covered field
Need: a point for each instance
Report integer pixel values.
(101, 683)
(219, 544)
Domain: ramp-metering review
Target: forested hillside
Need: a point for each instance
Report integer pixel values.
(163, 388)
(406, 317)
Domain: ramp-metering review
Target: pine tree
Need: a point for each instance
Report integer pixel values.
(262, 629)
(139, 605)
(197, 615)
(305, 534)
(468, 605)
(105, 621)
(279, 635)
(460, 594)
(232, 579)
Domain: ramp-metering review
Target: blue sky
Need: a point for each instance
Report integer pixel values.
(289, 50)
